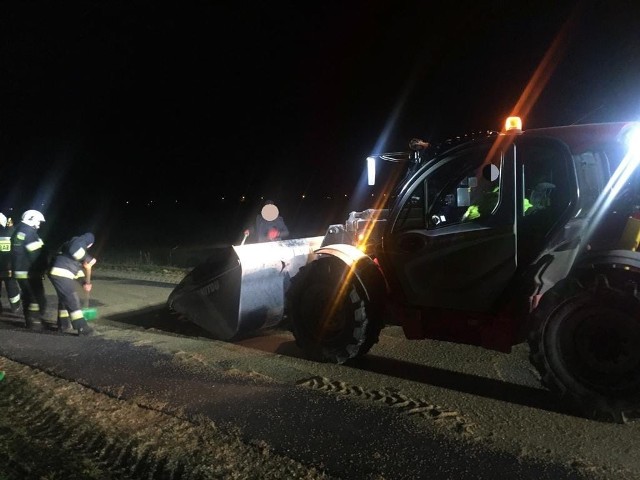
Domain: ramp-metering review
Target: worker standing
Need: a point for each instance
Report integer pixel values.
(71, 263)
(6, 273)
(29, 266)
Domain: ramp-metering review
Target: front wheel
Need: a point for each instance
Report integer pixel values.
(585, 343)
(333, 318)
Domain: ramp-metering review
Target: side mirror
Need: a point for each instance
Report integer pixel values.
(490, 172)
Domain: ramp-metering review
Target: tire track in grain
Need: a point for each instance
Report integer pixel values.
(394, 398)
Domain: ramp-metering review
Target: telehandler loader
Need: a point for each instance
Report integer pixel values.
(492, 240)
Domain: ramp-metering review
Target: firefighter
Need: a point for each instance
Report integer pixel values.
(29, 266)
(71, 263)
(270, 226)
(6, 274)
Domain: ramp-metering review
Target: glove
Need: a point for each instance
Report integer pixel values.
(273, 233)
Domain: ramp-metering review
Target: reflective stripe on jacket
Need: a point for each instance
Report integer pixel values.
(72, 254)
(26, 250)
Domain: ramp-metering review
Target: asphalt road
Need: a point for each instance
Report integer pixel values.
(409, 410)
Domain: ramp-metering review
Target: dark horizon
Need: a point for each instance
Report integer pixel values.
(104, 102)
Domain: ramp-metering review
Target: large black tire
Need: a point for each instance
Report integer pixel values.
(332, 317)
(585, 343)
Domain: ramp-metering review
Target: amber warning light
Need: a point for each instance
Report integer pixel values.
(513, 125)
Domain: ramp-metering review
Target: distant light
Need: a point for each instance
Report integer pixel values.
(372, 195)
(345, 195)
(242, 198)
(303, 196)
(222, 198)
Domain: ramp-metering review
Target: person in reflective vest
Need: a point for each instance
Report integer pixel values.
(487, 203)
(29, 266)
(72, 263)
(6, 270)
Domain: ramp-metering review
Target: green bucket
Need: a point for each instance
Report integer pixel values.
(90, 313)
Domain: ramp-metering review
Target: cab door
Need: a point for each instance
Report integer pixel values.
(451, 241)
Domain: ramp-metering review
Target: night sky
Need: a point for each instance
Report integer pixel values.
(107, 101)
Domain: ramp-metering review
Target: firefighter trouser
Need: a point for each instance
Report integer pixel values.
(13, 292)
(68, 303)
(34, 301)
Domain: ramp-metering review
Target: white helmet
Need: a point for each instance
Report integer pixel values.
(32, 218)
(3, 220)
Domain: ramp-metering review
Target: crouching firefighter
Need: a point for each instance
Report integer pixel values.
(70, 264)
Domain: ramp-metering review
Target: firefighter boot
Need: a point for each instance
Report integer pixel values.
(16, 307)
(64, 324)
(83, 328)
(32, 317)
(33, 323)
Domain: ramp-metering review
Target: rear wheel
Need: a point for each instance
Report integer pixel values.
(585, 342)
(332, 317)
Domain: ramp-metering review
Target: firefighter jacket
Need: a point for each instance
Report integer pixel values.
(27, 252)
(5, 251)
(71, 257)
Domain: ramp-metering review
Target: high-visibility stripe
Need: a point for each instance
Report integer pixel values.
(63, 314)
(33, 246)
(79, 254)
(21, 235)
(33, 307)
(62, 272)
(15, 299)
(21, 275)
(76, 315)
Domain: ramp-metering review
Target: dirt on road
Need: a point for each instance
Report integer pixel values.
(52, 427)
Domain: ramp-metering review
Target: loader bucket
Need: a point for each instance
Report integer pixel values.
(240, 289)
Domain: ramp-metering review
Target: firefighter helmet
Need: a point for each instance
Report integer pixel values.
(3, 220)
(32, 218)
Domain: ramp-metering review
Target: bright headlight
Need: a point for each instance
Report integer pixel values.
(632, 139)
(371, 170)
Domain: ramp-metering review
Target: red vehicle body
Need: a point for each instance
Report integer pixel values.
(505, 238)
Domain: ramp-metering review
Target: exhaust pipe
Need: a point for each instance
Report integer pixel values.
(240, 289)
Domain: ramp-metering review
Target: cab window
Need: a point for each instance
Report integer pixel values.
(466, 189)
(546, 189)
